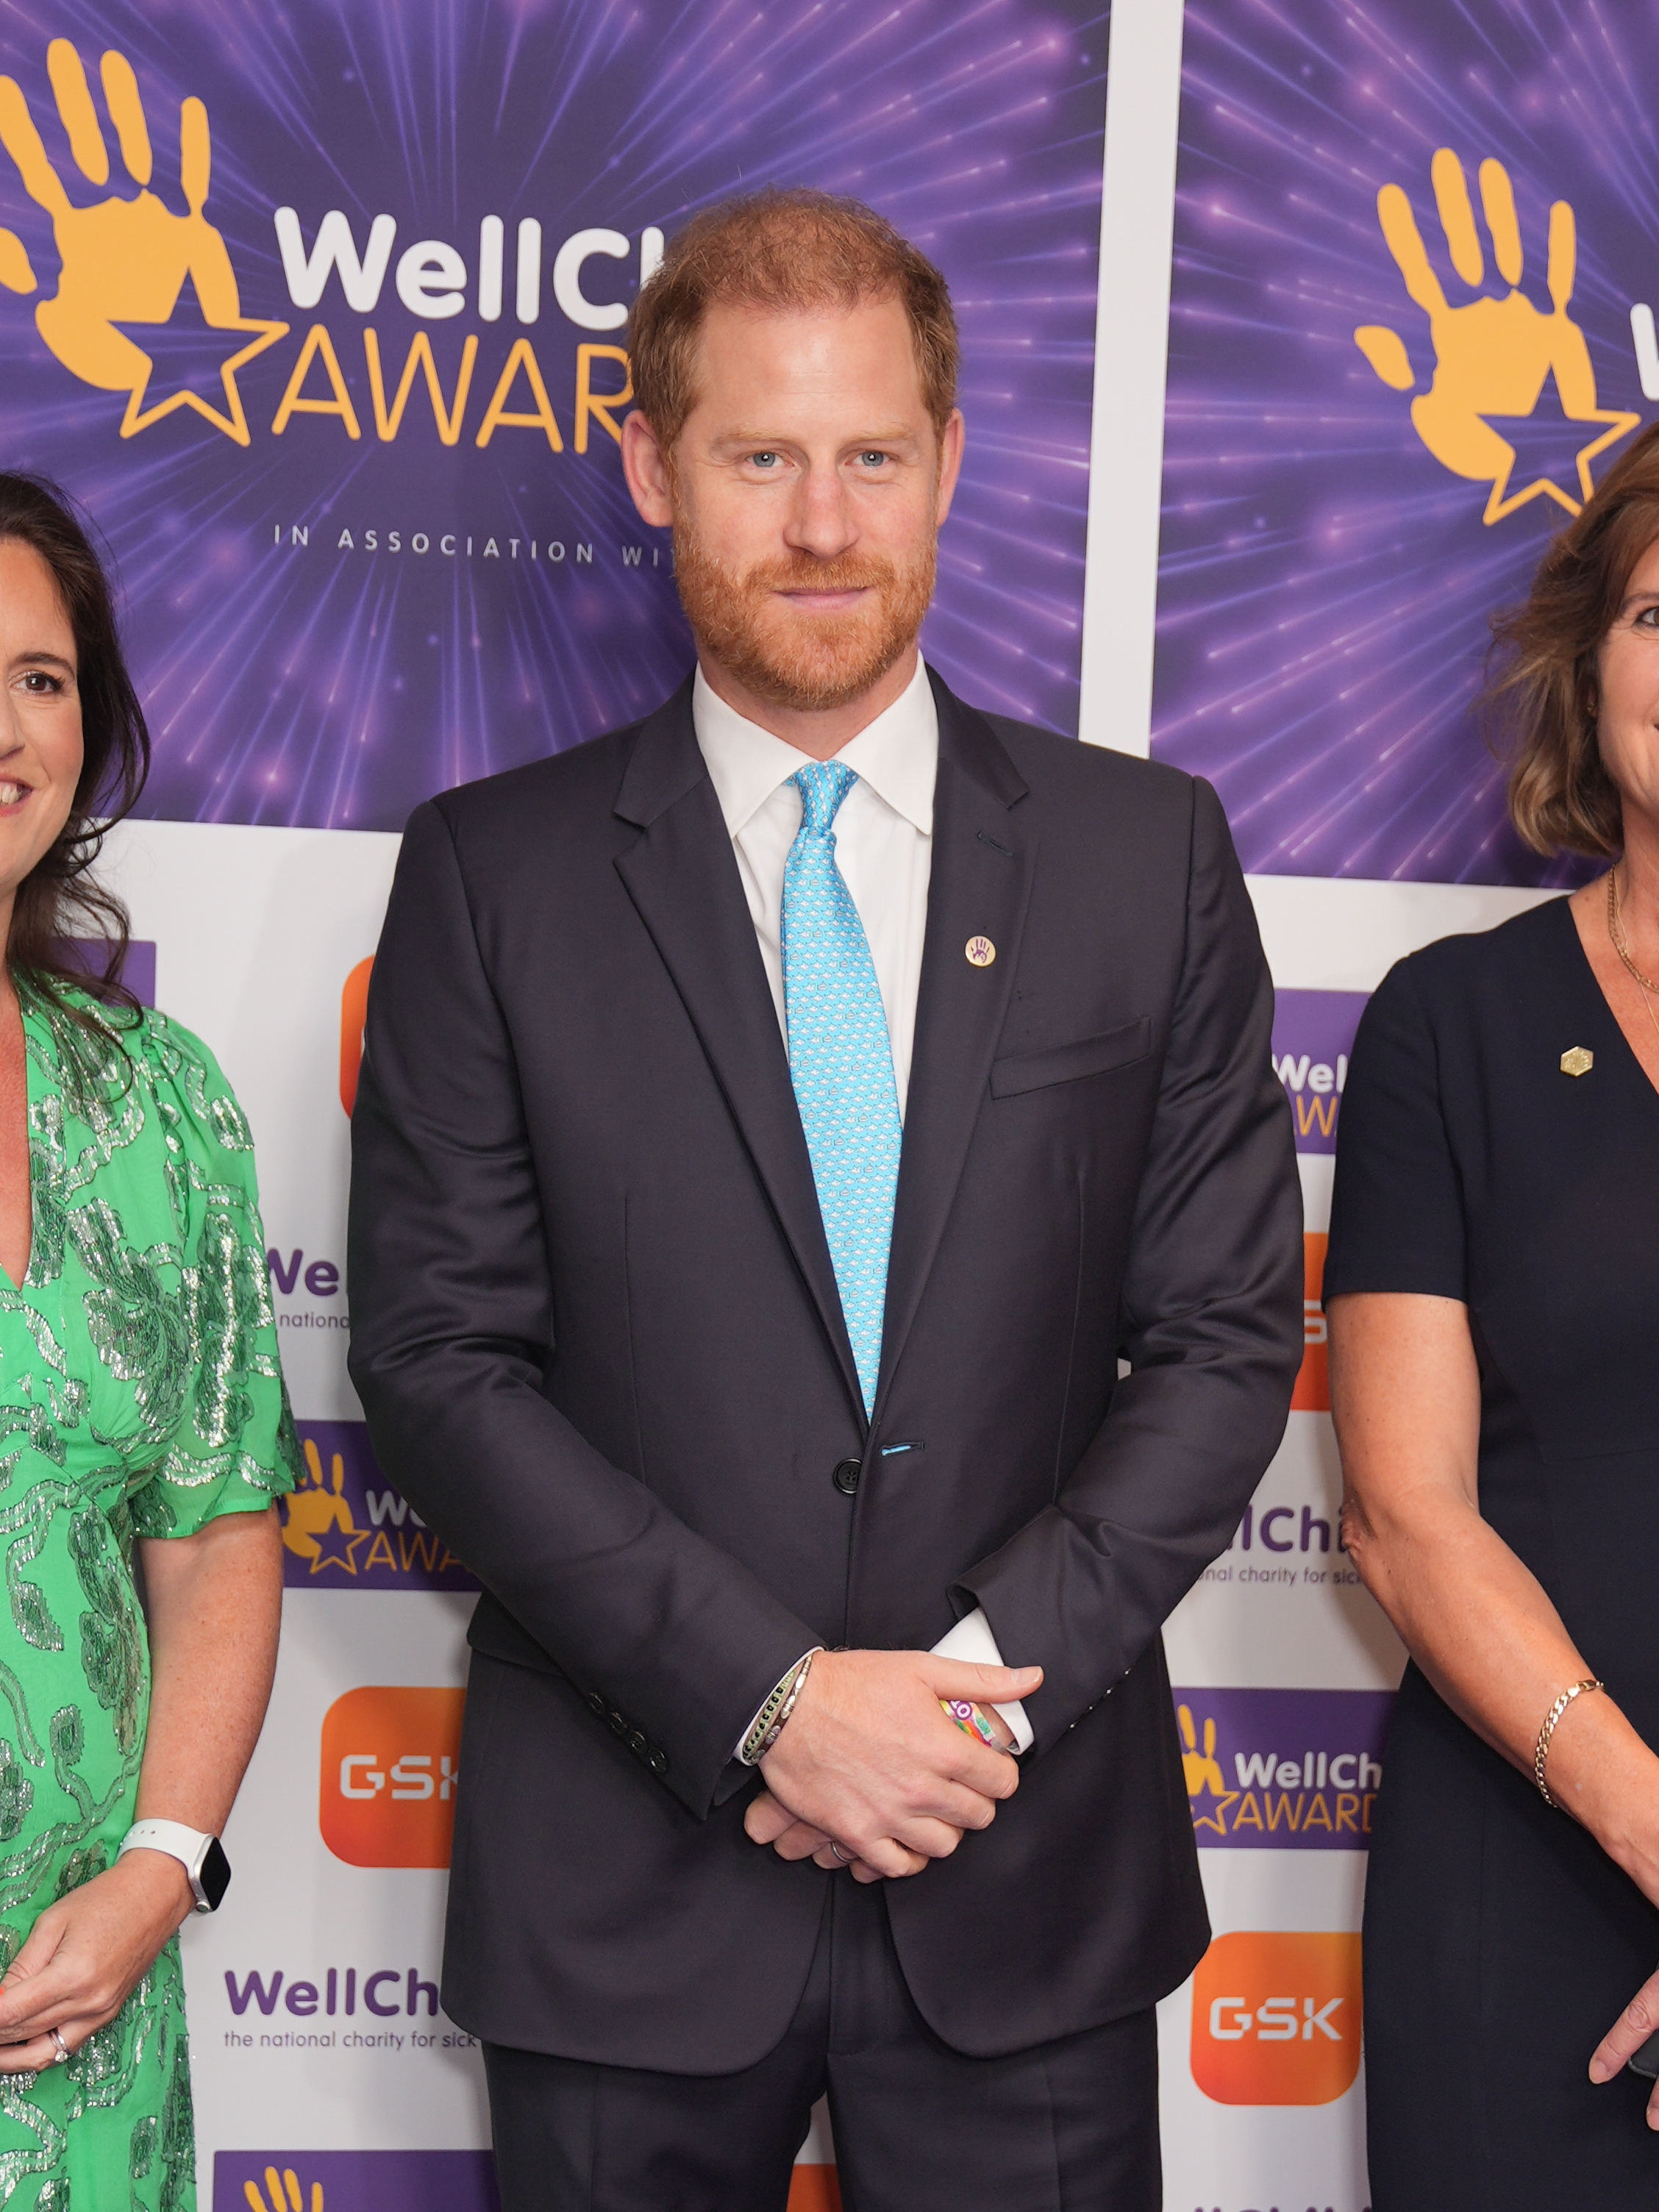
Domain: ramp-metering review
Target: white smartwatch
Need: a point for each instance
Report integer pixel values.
(202, 1858)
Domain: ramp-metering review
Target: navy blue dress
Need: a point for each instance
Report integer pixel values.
(1500, 1943)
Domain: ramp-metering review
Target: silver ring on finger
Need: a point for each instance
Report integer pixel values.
(845, 1857)
(63, 2048)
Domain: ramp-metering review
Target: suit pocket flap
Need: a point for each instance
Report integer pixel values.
(1069, 1063)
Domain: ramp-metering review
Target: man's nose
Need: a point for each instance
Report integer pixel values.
(821, 520)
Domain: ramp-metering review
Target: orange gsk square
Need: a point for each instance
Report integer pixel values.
(1276, 2018)
(390, 1762)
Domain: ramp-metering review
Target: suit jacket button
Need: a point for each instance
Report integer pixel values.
(619, 1726)
(846, 1476)
(637, 1744)
(657, 1759)
(596, 1700)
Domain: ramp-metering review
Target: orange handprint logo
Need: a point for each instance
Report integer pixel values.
(1491, 356)
(1202, 1768)
(318, 1524)
(125, 260)
(285, 2192)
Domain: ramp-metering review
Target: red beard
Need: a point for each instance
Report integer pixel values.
(791, 657)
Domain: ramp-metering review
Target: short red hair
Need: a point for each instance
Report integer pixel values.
(783, 251)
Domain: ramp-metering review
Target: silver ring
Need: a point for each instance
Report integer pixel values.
(845, 1858)
(63, 2047)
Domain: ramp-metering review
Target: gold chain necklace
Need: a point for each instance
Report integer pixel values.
(1616, 932)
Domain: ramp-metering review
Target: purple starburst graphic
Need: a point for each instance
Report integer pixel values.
(328, 627)
(1327, 583)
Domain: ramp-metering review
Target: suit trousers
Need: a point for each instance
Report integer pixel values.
(1070, 2126)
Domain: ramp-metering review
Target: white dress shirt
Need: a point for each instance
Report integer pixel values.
(884, 849)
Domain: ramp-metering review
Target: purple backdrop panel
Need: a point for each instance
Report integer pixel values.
(1343, 513)
(1282, 1770)
(335, 416)
(91, 956)
(1313, 1038)
(357, 2180)
(345, 1528)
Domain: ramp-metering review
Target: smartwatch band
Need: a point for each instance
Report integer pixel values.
(202, 1856)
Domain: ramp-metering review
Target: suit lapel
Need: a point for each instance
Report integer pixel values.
(979, 886)
(682, 878)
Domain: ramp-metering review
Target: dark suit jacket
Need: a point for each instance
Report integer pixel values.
(597, 1338)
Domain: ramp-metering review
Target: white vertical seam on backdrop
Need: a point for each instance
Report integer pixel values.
(1132, 346)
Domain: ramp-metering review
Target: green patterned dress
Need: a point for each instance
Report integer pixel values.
(140, 1396)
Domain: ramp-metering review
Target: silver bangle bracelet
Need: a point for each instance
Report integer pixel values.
(770, 1728)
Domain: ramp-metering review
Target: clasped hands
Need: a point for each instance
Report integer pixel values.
(85, 1954)
(869, 1761)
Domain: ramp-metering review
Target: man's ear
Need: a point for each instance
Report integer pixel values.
(645, 465)
(950, 464)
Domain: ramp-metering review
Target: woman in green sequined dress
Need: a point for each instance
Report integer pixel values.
(141, 1417)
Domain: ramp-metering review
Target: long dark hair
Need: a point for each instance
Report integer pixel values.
(60, 899)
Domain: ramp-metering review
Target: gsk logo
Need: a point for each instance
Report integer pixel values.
(391, 1761)
(1276, 2018)
(1312, 1394)
(354, 1013)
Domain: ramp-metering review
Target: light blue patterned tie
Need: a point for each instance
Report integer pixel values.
(841, 1062)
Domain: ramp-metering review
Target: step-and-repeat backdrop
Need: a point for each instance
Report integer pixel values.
(320, 311)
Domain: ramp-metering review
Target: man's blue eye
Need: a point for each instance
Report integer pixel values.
(762, 460)
(872, 458)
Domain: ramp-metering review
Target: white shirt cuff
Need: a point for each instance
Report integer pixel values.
(971, 1639)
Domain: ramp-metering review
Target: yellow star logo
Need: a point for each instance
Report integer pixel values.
(234, 421)
(1217, 1818)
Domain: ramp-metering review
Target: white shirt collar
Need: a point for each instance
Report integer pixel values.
(896, 755)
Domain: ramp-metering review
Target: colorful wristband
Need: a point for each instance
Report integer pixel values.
(969, 1719)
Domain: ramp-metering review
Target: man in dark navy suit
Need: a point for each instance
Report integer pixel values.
(826, 1249)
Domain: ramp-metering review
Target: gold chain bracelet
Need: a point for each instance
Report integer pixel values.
(1547, 1731)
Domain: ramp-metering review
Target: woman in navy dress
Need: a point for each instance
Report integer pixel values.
(1492, 1287)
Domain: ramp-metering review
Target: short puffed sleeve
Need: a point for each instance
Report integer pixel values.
(233, 1448)
(1397, 1210)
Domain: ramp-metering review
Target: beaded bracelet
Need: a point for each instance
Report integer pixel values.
(769, 1722)
(1548, 1730)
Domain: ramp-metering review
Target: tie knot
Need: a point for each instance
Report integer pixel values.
(823, 785)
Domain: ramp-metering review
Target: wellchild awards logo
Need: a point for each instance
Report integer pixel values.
(355, 2181)
(128, 261)
(146, 292)
(1492, 354)
(345, 1528)
(328, 331)
(1282, 1770)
